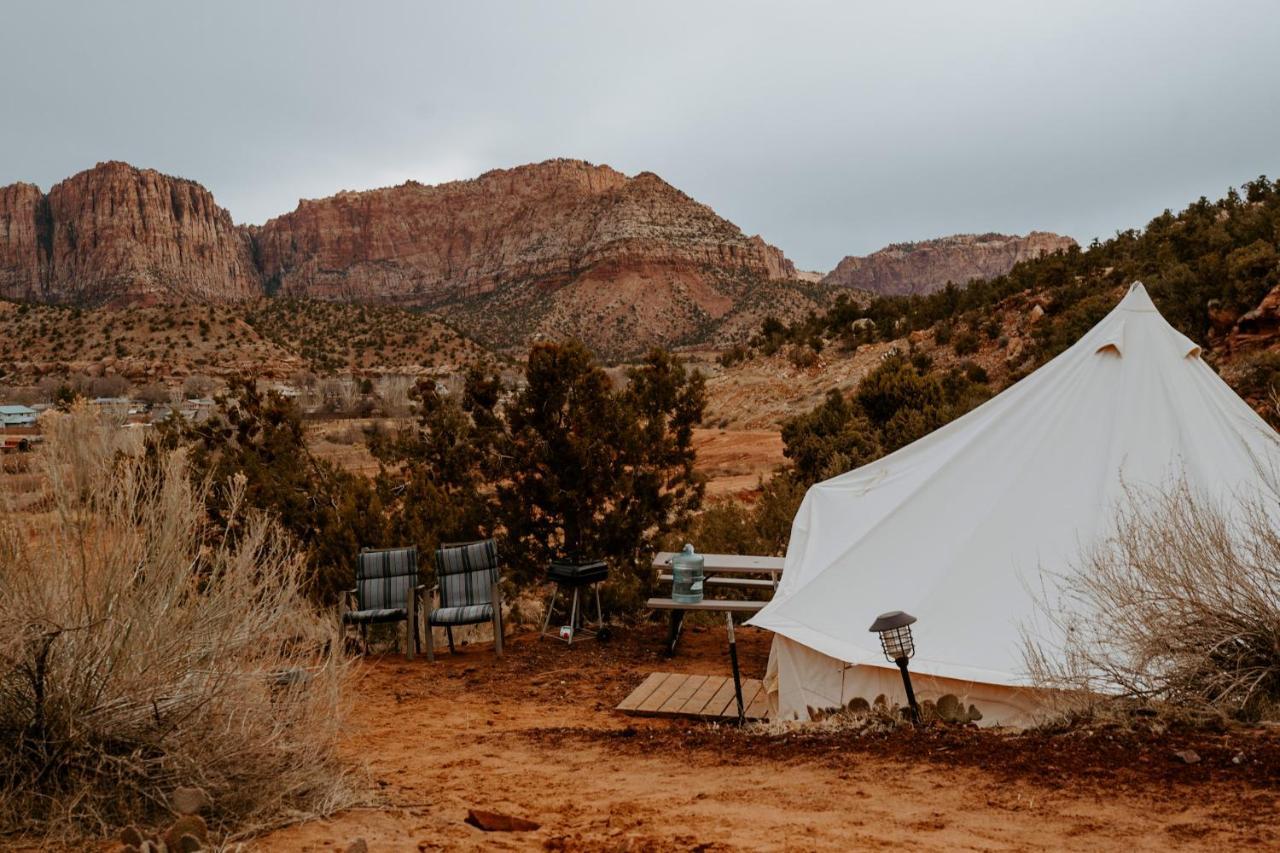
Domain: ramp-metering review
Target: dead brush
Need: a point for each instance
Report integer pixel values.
(1176, 614)
(141, 651)
(858, 718)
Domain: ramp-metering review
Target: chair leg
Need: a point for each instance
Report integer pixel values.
(599, 610)
(448, 631)
(431, 645)
(410, 627)
(497, 620)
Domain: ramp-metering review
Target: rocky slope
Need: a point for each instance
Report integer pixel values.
(274, 339)
(926, 266)
(115, 234)
(545, 250)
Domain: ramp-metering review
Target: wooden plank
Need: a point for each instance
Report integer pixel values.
(758, 708)
(722, 699)
(676, 700)
(728, 563)
(750, 687)
(642, 692)
(718, 605)
(756, 583)
(700, 698)
(661, 694)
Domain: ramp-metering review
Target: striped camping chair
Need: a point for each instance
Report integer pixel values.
(387, 590)
(467, 580)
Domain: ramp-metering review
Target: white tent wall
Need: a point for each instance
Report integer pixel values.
(801, 681)
(962, 527)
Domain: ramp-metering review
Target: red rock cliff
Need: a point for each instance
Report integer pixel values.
(115, 234)
(927, 266)
(545, 224)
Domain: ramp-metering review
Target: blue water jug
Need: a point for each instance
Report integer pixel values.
(686, 576)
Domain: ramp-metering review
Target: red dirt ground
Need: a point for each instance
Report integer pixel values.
(534, 736)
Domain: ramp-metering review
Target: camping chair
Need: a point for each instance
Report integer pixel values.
(467, 581)
(387, 590)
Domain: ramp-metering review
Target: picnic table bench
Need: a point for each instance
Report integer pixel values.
(719, 570)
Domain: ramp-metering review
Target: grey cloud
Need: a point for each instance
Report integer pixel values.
(830, 128)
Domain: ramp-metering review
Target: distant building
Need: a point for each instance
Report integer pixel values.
(17, 416)
(120, 406)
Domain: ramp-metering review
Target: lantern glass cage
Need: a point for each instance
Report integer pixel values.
(897, 643)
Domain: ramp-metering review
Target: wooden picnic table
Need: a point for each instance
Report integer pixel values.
(728, 564)
(718, 570)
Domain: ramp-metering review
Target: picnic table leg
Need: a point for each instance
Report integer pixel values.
(737, 677)
(411, 624)
(673, 632)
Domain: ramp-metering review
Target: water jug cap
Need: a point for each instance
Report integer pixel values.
(688, 549)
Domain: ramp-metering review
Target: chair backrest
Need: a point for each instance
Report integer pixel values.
(384, 577)
(466, 572)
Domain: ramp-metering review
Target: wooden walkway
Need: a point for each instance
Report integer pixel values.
(701, 697)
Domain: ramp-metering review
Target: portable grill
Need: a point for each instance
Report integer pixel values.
(576, 577)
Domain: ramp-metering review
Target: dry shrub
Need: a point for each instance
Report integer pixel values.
(141, 650)
(1179, 610)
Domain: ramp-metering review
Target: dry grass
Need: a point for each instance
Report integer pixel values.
(141, 650)
(1179, 609)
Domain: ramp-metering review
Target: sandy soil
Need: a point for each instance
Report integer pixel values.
(735, 461)
(535, 736)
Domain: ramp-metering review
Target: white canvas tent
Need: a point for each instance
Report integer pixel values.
(957, 527)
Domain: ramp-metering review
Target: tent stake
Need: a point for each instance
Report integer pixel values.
(737, 678)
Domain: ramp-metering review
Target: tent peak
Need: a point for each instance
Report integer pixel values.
(1137, 299)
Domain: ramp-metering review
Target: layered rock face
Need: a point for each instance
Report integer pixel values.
(115, 234)
(545, 250)
(546, 224)
(907, 268)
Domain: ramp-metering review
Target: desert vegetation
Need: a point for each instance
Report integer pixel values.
(118, 347)
(1206, 268)
(1178, 610)
(565, 466)
(145, 647)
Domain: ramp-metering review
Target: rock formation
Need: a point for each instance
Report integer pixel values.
(554, 248)
(551, 249)
(115, 234)
(547, 223)
(906, 268)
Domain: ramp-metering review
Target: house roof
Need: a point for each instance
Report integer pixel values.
(16, 410)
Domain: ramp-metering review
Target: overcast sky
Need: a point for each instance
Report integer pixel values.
(829, 128)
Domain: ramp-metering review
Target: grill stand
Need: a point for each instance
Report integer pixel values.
(577, 614)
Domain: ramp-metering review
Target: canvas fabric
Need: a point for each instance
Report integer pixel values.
(968, 527)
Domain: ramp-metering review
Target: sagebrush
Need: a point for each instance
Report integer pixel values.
(142, 649)
(1180, 607)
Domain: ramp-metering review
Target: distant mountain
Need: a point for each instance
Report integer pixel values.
(557, 248)
(114, 234)
(923, 267)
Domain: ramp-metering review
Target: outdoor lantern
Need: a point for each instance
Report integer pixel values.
(895, 639)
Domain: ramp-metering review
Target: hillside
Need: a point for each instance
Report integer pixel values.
(550, 249)
(1213, 270)
(928, 265)
(272, 339)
